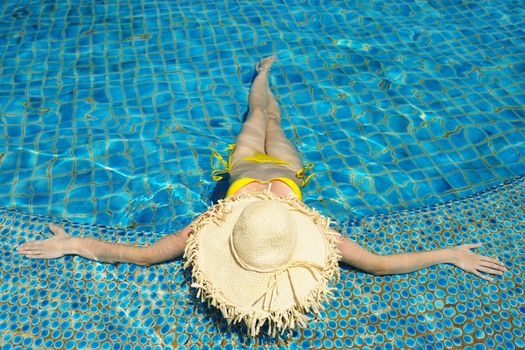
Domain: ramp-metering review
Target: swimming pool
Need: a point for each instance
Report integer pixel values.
(110, 113)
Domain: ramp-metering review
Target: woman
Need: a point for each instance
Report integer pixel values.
(261, 256)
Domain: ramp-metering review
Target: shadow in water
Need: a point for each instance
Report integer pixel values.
(220, 189)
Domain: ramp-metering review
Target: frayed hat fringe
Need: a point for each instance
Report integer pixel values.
(278, 321)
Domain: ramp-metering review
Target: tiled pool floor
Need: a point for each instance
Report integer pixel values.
(73, 303)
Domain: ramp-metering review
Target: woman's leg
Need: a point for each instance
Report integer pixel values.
(253, 133)
(277, 144)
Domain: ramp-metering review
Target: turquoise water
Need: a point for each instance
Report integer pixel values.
(110, 113)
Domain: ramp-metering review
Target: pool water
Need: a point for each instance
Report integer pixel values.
(412, 113)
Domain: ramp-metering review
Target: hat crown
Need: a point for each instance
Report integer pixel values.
(264, 237)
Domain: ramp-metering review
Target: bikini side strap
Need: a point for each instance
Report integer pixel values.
(301, 174)
(217, 173)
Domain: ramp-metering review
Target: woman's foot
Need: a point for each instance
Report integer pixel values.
(265, 64)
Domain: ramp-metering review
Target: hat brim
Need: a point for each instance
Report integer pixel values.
(239, 293)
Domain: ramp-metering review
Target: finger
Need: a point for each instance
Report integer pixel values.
(34, 256)
(493, 266)
(483, 276)
(487, 278)
(473, 245)
(493, 260)
(28, 245)
(31, 251)
(490, 270)
(500, 263)
(57, 230)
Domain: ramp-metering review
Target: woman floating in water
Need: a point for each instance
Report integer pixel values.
(261, 255)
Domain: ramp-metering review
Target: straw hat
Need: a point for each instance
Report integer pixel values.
(261, 259)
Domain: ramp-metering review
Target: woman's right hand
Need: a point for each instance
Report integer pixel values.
(474, 263)
(51, 248)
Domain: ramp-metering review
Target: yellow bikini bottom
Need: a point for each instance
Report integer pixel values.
(238, 184)
(218, 172)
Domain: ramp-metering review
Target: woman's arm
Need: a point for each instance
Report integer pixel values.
(167, 248)
(355, 255)
(460, 256)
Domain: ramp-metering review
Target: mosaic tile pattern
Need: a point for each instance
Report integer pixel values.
(110, 111)
(73, 303)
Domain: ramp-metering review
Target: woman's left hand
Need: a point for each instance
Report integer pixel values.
(475, 263)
